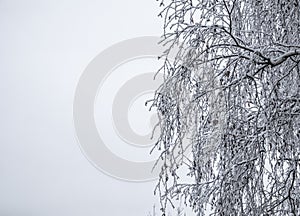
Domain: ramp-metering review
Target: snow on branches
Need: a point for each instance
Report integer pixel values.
(232, 93)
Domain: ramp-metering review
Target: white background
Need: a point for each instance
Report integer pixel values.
(44, 47)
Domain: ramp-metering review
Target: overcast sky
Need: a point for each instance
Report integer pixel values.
(44, 48)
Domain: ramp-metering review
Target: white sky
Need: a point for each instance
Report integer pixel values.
(44, 48)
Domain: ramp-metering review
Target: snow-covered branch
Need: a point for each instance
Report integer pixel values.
(232, 96)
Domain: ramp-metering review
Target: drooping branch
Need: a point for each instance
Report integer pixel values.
(231, 98)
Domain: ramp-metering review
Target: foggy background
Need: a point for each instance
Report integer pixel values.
(45, 46)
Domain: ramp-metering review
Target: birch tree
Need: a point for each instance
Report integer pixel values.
(233, 93)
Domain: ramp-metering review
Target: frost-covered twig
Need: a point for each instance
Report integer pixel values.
(233, 94)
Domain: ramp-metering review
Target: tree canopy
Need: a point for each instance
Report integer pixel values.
(232, 93)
